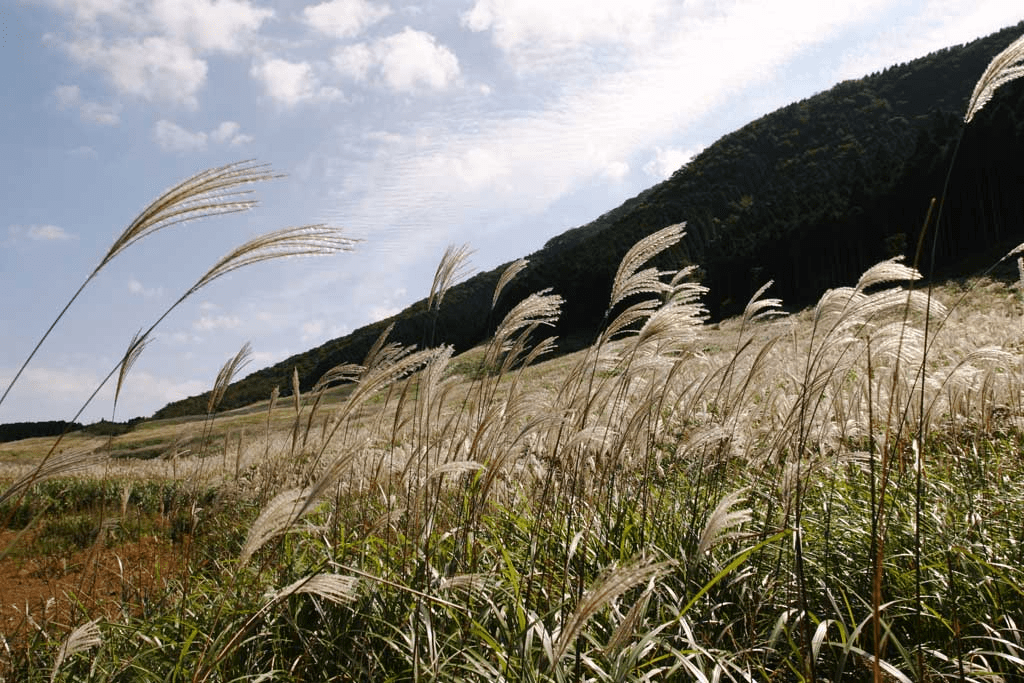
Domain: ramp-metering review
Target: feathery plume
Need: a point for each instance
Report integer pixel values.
(890, 270)
(606, 588)
(227, 374)
(276, 518)
(722, 523)
(507, 276)
(305, 240)
(628, 280)
(135, 348)
(1006, 66)
(337, 588)
(759, 309)
(454, 266)
(81, 639)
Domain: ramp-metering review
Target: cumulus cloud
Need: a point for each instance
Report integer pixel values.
(210, 25)
(153, 49)
(173, 138)
(70, 97)
(136, 287)
(344, 18)
(354, 61)
(155, 68)
(666, 161)
(229, 132)
(407, 61)
(291, 83)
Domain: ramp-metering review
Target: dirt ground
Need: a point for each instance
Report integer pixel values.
(57, 593)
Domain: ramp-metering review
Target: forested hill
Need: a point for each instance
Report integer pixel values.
(809, 196)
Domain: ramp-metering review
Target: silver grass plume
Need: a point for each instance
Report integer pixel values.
(135, 349)
(337, 588)
(1006, 66)
(890, 270)
(610, 585)
(84, 637)
(305, 240)
(507, 276)
(208, 193)
(454, 266)
(629, 279)
(378, 346)
(227, 373)
(760, 309)
(540, 308)
(277, 517)
(722, 523)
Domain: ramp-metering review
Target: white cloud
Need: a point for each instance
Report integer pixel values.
(291, 83)
(210, 25)
(354, 61)
(667, 161)
(615, 170)
(225, 131)
(407, 61)
(934, 25)
(229, 132)
(413, 58)
(136, 287)
(476, 168)
(344, 18)
(532, 32)
(312, 330)
(88, 11)
(206, 323)
(48, 233)
(173, 138)
(70, 97)
(67, 95)
(102, 114)
(155, 68)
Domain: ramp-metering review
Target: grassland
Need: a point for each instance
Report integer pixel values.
(832, 495)
(737, 501)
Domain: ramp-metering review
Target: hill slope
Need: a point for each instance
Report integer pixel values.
(809, 196)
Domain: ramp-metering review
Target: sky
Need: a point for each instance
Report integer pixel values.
(411, 126)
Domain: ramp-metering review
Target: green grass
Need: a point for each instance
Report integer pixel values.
(834, 495)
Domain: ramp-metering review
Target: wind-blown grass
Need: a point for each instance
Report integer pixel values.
(831, 495)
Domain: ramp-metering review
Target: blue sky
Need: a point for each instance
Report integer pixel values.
(500, 123)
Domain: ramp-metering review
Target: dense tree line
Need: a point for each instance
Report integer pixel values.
(15, 431)
(808, 196)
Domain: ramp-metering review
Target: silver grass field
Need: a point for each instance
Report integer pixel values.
(832, 495)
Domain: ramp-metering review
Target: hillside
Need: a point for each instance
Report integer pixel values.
(808, 196)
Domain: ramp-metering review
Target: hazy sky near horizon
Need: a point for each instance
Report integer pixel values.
(500, 123)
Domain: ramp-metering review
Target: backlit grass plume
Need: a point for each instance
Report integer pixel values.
(1006, 66)
(209, 193)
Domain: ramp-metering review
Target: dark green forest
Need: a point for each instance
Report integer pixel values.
(808, 196)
